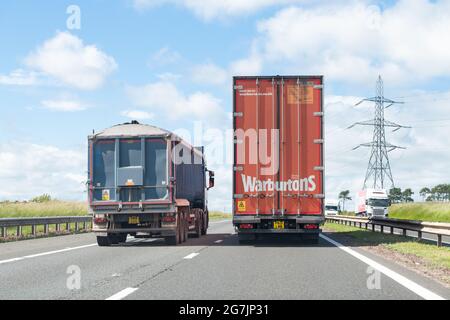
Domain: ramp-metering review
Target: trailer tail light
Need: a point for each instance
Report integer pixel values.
(245, 226)
(99, 219)
(168, 219)
(311, 226)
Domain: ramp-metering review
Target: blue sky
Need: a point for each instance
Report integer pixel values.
(57, 84)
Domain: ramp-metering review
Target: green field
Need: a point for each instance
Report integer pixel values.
(424, 211)
(218, 215)
(45, 209)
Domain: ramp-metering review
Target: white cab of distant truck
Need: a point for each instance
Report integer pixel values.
(332, 207)
(372, 203)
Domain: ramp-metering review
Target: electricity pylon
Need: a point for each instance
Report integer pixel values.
(379, 168)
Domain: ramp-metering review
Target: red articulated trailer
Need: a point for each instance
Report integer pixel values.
(278, 171)
(146, 182)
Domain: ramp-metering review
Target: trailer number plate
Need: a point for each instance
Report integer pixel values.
(133, 220)
(278, 224)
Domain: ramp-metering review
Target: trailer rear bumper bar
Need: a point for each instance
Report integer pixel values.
(159, 231)
(298, 220)
(297, 231)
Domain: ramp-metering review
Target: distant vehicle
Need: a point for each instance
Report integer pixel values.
(278, 171)
(372, 203)
(145, 181)
(332, 207)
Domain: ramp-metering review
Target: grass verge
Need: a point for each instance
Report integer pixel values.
(218, 215)
(424, 211)
(424, 257)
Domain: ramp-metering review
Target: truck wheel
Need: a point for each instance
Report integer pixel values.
(198, 224)
(114, 238)
(183, 229)
(122, 237)
(176, 239)
(204, 223)
(103, 241)
(186, 230)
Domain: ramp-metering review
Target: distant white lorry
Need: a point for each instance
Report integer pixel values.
(372, 203)
(332, 207)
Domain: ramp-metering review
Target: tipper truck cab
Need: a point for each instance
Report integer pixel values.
(145, 181)
(278, 170)
(372, 203)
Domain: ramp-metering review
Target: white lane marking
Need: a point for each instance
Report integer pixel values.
(218, 241)
(192, 255)
(122, 294)
(46, 253)
(411, 285)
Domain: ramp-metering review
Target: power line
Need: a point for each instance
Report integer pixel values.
(379, 168)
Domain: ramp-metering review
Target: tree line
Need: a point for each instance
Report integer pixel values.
(441, 192)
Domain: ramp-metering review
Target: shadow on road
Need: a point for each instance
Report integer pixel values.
(229, 240)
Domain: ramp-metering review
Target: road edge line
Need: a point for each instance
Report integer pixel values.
(402, 280)
(122, 294)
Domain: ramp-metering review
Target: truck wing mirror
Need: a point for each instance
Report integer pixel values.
(211, 179)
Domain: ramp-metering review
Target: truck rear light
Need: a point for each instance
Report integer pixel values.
(311, 226)
(168, 219)
(100, 219)
(246, 226)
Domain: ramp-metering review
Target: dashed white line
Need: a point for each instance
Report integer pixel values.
(409, 284)
(122, 294)
(192, 255)
(218, 241)
(46, 253)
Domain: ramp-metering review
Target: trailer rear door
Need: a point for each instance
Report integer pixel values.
(278, 146)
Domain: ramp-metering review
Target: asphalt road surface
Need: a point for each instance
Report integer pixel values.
(212, 267)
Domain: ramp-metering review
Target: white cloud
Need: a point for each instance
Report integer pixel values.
(168, 76)
(63, 105)
(163, 57)
(209, 74)
(247, 66)
(31, 169)
(66, 58)
(356, 41)
(19, 77)
(212, 74)
(164, 97)
(208, 10)
(137, 114)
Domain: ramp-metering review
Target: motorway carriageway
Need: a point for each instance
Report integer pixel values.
(211, 267)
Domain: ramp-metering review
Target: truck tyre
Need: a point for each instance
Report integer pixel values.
(204, 223)
(184, 227)
(114, 238)
(198, 224)
(103, 241)
(175, 239)
(186, 231)
(122, 237)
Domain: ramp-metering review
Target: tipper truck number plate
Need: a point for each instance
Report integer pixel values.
(133, 220)
(278, 224)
